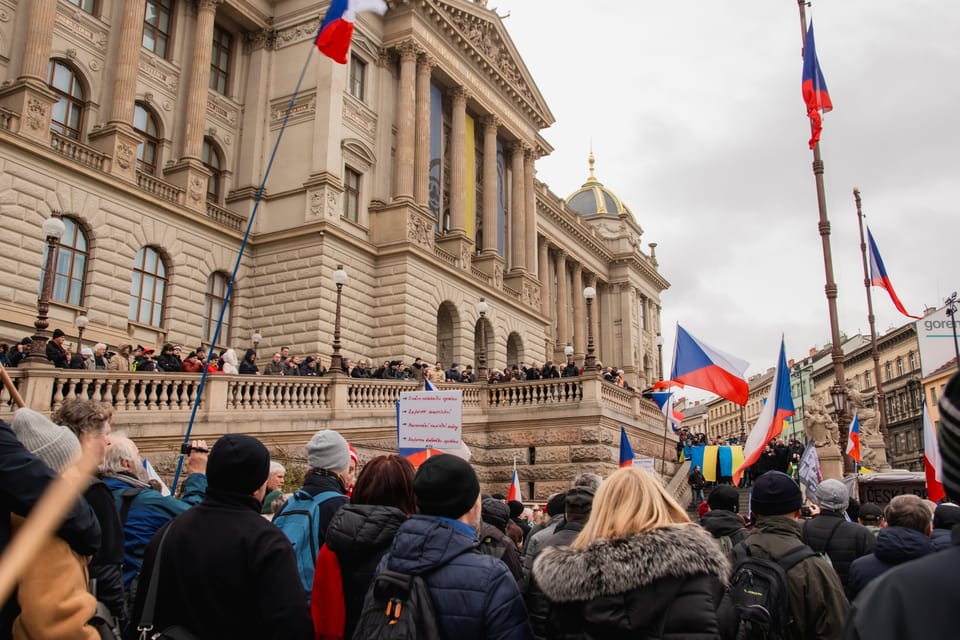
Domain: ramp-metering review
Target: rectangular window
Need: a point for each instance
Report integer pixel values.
(888, 370)
(933, 395)
(357, 78)
(220, 60)
(351, 194)
(867, 383)
(90, 6)
(156, 26)
(899, 367)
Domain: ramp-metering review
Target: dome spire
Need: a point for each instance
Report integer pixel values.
(591, 160)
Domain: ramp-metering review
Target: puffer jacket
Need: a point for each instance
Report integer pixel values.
(474, 595)
(537, 603)
(359, 535)
(843, 541)
(941, 539)
(895, 545)
(662, 583)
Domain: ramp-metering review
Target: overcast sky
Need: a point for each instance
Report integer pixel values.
(697, 122)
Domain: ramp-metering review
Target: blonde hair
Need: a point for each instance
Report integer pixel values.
(628, 502)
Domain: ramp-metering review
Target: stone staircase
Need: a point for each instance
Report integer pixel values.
(744, 503)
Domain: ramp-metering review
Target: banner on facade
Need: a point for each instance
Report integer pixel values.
(430, 419)
(935, 335)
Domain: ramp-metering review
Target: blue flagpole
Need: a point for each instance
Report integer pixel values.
(236, 266)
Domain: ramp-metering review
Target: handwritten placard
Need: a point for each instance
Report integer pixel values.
(430, 419)
(647, 464)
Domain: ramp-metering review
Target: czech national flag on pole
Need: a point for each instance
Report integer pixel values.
(514, 493)
(699, 365)
(626, 451)
(853, 440)
(931, 459)
(664, 401)
(777, 408)
(879, 277)
(815, 94)
(336, 31)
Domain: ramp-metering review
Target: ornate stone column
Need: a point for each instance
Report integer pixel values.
(490, 126)
(517, 260)
(406, 122)
(579, 313)
(529, 212)
(598, 304)
(421, 182)
(118, 137)
(560, 267)
(29, 95)
(544, 256)
(458, 164)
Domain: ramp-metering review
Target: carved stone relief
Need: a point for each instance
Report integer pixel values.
(195, 189)
(420, 231)
(124, 156)
(498, 276)
(36, 114)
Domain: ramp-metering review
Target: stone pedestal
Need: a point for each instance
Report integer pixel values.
(192, 177)
(458, 245)
(873, 452)
(120, 142)
(527, 285)
(491, 264)
(36, 388)
(34, 102)
(831, 462)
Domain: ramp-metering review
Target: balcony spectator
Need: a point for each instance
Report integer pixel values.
(311, 367)
(122, 361)
(249, 365)
(56, 352)
(229, 364)
(100, 360)
(571, 369)
(192, 363)
(453, 373)
(437, 374)
(168, 361)
(275, 366)
(291, 365)
(361, 370)
(419, 369)
(468, 376)
(145, 362)
(83, 360)
(19, 351)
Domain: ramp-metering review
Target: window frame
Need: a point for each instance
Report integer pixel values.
(78, 102)
(216, 294)
(68, 249)
(221, 50)
(148, 139)
(357, 82)
(167, 7)
(351, 193)
(211, 151)
(79, 4)
(140, 275)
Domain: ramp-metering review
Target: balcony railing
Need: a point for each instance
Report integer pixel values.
(77, 152)
(225, 217)
(163, 190)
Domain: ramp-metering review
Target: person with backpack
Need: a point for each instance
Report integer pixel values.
(778, 573)
(639, 569)
(494, 540)
(723, 520)
(433, 583)
(308, 513)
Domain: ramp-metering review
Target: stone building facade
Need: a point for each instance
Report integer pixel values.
(147, 125)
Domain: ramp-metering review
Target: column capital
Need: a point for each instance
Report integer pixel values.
(578, 269)
(207, 5)
(408, 51)
(517, 146)
(426, 62)
(459, 95)
(529, 154)
(491, 122)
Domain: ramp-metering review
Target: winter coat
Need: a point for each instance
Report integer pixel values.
(534, 546)
(359, 535)
(169, 362)
(225, 572)
(474, 595)
(695, 480)
(120, 362)
(917, 600)
(316, 483)
(106, 567)
(249, 366)
(273, 369)
(662, 583)
(817, 603)
(437, 375)
(538, 605)
(57, 355)
(847, 540)
(570, 371)
(895, 545)
(52, 591)
(149, 511)
(940, 539)
(720, 523)
(230, 362)
(501, 546)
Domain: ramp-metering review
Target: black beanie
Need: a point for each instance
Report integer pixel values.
(774, 494)
(516, 509)
(495, 513)
(238, 464)
(446, 486)
(724, 498)
(555, 505)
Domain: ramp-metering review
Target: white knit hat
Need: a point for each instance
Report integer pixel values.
(55, 445)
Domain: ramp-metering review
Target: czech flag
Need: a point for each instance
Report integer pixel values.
(879, 277)
(699, 365)
(931, 459)
(815, 94)
(853, 440)
(663, 400)
(626, 451)
(778, 407)
(514, 493)
(336, 30)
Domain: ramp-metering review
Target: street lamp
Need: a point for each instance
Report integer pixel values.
(256, 338)
(336, 360)
(659, 342)
(568, 351)
(53, 228)
(839, 396)
(951, 303)
(590, 363)
(482, 308)
(81, 322)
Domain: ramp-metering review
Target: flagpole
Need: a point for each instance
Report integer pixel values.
(666, 434)
(881, 399)
(838, 391)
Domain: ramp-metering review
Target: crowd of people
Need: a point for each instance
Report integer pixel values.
(377, 553)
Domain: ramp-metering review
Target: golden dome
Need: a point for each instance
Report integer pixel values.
(592, 198)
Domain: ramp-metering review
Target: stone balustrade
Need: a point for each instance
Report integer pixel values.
(77, 152)
(160, 188)
(225, 217)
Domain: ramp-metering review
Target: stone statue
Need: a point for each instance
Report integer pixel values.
(869, 419)
(818, 425)
(873, 453)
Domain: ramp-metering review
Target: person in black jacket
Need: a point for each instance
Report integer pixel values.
(224, 571)
(830, 532)
(23, 479)
(55, 351)
(945, 517)
(494, 540)
(723, 520)
(168, 361)
(639, 568)
(359, 535)
(248, 366)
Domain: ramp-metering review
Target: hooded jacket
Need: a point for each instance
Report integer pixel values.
(720, 523)
(230, 362)
(895, 545)
(474, 595)
(662, 583)
(249, 366)
(843, 541)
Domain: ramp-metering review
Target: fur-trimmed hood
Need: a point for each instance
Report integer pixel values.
(610, 567)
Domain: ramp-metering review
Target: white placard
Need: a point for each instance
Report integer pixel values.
(430, 419)
(647, 464)
(935, 335)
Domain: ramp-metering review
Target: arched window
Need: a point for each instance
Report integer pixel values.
(147, 287)
(67, 116)
(213, 161)
(215, 297)
(146, 125)
(71, 264)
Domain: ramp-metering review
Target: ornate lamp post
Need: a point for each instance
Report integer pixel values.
(53, 228)
(590, 362)
(568, 351)
(256, 338)
(81, 322)
(482, 308)
(336, 360)
(839, 396)
(659, 342)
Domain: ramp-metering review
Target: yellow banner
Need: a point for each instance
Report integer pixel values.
(470, 197)
(710, 463)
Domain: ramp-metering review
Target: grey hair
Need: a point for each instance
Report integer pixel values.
(100, 347)
(121, 449)
(590, 480)
(276, 467)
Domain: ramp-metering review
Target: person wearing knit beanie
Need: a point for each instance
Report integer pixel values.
(446, 486)
(55, 445)
(328, 450)
(775, 494)
(238, 464)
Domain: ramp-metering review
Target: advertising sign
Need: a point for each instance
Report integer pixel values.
(431, 419)
(935, 335)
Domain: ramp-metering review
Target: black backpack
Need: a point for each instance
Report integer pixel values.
(760, 592)
(398, 607)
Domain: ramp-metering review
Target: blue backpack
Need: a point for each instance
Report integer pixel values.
(300, 522)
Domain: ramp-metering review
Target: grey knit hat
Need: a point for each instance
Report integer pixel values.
(55, 445)
(328, 450)
(833, 495)
(949, 437)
